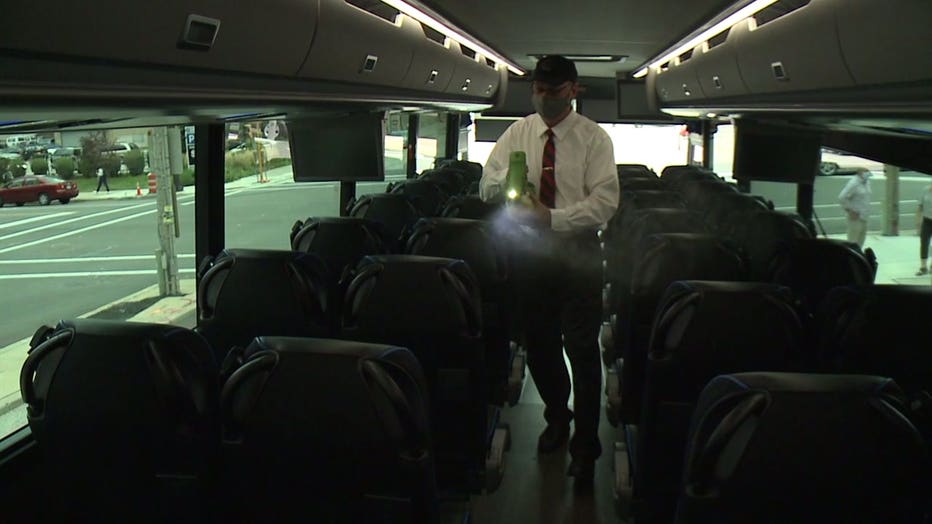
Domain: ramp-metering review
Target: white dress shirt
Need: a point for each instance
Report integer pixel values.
(856, 196)
(587, 181)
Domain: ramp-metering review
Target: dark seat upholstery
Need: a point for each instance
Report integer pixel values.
(622, 251)
(783, 447)
(393, 211)
(318, 430)
(762, 234)
(881, 330)
(634, 171)
(698, 193)
(246, 293)
(340, 242)
(431, 306)
(125, 415)
(470, 207)
(426, 195)
(452, 181)
(473, 242)
(639, 184)
(665, 259)
(631, 201)
(675, 176)
(721, 207)
(472, 171)
(703, 329)
(813, 266)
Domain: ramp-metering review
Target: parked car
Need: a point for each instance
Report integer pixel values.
(37, 188)
(835, 162)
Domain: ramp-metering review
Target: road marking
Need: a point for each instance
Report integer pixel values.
(115, 258)
(79, 218)
(131, 272)
(75, 232)
(35, 219)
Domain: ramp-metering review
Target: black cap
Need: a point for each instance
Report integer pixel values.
(554, 70)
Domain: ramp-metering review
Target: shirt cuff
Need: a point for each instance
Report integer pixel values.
(559, 220)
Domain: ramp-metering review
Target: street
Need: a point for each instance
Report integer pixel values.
(62, 261)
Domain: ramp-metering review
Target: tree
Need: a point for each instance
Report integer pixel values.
(93, 146)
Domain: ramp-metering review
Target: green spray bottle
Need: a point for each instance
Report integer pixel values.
(516, 184)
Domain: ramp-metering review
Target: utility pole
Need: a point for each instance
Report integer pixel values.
(161, 162)
(891, 203)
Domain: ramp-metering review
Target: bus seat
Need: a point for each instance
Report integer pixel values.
(703, 329)
(721, 207)
(473, 242)
(318, 430)
(697, 193)
(665, 259)
(676, 175)
(881, 330)
(245, 293)
(762, 234)
(813, 266)
(803, 448)
(452, 181)
(472, 171)
(626, 171)
(471, 207)
(621, 252)
(126, 417)
(393, 211)
(425, 194)
(640, 183)
(340, 242)
(630, 201)
(433, 307)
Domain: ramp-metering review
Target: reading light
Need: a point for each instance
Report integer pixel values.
(452, 33)
(512, 194)
(739, 15)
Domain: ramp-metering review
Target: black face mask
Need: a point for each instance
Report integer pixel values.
(550, 107)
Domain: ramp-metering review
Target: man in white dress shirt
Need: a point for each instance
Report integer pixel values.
(571, 168)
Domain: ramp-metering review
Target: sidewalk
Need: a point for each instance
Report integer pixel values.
(279, 175)
(897, 257)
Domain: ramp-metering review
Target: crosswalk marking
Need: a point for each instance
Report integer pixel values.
(115, 258)
(76, 274)
(35, 219)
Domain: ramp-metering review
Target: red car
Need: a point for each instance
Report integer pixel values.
(37, 188)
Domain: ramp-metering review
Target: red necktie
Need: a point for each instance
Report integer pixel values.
(548, 183)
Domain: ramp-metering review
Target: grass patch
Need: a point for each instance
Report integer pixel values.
(89, 184)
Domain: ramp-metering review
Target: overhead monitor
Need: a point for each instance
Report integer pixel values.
(775, 153)
(346, 148)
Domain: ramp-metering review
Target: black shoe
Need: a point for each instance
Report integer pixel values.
(553, 437)
(583, 471)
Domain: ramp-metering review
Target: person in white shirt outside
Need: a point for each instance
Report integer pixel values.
(924, 222)
(571, 170)
(855, 199)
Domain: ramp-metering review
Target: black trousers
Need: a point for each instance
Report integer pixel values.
(925, 234)
(559, 279)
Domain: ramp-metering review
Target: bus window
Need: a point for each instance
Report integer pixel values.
(431, 139)
(70, 251)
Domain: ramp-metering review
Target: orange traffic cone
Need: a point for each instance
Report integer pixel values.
(138, 191)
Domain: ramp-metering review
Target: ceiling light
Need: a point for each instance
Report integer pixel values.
(588, 58)
(452, 33)
(739, 15)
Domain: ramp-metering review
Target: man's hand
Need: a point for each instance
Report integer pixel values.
(528, 210)
(853, 215)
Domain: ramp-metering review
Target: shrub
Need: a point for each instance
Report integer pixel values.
(18, 169)
(187, 177)
(135, 162)
(64, 168)
(110, 164)
(39, 165)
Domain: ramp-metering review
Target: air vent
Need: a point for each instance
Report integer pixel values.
(490, 63)
(377, 8)
(777, 10)
(434, 35)
(718, 39)
(686, 56)
(468, 52)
